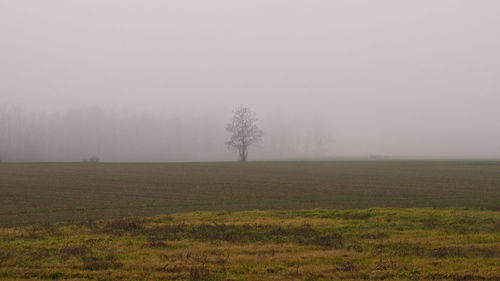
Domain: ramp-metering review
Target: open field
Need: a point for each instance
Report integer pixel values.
(48, 192)
(369, 244)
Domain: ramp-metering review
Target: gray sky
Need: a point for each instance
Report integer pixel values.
(326, 78)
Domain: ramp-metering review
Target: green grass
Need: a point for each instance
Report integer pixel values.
(366, 244)
(50, 192)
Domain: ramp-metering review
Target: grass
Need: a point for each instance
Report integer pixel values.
(320, 244)
(330, 220)
(50, 192)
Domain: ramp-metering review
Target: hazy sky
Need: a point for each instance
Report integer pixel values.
(400, 78)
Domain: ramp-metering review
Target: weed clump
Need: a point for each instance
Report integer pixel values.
(155, 242)
(42, 231)
(4, 255)
(246, 233)
(74, 251)
(465, 252)
(38, 253)
(94, 262)
(374, 235)
(124, 226)
(306, 235)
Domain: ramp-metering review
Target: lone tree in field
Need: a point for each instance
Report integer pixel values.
(245, 132)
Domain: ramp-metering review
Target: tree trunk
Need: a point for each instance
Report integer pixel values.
(243, 154)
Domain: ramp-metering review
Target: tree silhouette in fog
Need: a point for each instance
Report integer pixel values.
(244, 132)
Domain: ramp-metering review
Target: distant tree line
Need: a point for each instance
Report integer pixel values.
(78, 134)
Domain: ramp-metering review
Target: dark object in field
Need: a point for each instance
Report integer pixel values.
(92, 159)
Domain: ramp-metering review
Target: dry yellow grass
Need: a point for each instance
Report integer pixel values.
(389, 244)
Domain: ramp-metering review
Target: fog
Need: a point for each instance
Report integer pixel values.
(157, 80)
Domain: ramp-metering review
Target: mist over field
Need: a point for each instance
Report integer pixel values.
(157, 81)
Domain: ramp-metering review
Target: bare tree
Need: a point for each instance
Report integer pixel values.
(244, 130)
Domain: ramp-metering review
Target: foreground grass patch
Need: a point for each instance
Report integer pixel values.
(399, 244)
